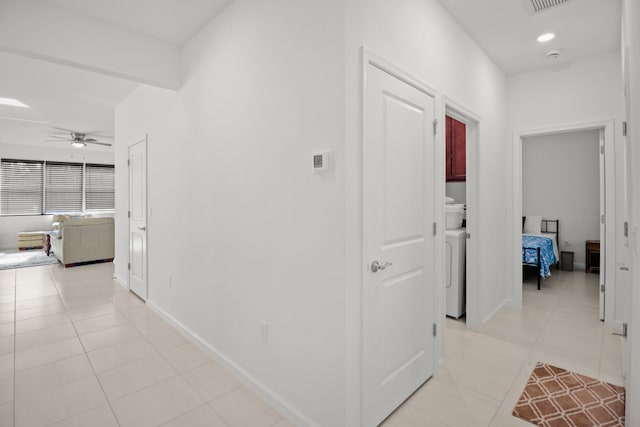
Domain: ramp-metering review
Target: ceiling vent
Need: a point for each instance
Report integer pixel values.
(535, 6)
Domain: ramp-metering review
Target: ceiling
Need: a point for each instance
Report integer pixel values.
(59, 96)
(507, 30)
(74, 98)
(174, 21)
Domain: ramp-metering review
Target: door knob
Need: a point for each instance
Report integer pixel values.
(143, 228)
(376, 266)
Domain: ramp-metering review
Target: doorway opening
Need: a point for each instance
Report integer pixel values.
(461, 184)
(606, 202)
(561, 182)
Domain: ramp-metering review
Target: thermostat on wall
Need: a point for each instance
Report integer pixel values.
(321, 161)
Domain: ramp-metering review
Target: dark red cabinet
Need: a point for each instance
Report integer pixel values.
(456, 137)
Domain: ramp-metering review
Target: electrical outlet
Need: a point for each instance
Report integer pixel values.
(264, 330)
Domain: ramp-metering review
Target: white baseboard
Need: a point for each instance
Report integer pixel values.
(491, 315)
(259, 388)
(121, 282)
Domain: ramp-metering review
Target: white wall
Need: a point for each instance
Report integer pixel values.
(561, 180)
(240, 222)
(420, 37)
(457, 190)
(10, 226)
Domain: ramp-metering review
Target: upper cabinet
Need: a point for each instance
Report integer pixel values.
(456, 136)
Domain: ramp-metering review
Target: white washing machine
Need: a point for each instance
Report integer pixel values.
(455, 272)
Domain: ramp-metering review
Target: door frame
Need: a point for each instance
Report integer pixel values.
(472, 121)
(145, 141)
(607, 126)
(370, 58)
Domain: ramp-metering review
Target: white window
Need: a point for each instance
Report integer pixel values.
(21, 185)
(100, 187)
(63, 187)
(31, 187)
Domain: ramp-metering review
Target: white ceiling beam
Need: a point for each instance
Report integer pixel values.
(41, 31)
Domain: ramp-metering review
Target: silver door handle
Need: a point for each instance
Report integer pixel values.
(143, 228)
(376, 266)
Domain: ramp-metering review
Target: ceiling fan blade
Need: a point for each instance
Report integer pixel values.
(90, 140)
(60, 137)
(24, 120)
(56, 140)
(98, 143)
(62, 129)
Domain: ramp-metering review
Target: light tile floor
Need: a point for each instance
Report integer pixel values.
(486, 372)
(78, 350)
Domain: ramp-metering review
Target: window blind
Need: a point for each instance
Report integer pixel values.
(63, 187)
(100, 187)
(21, 185)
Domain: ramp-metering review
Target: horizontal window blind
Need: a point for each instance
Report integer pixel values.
(100, 187)
(63, 187)
(21, 185)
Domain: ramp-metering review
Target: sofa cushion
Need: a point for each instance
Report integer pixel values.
(87, 221)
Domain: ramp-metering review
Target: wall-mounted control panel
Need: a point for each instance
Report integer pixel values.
(321, 161)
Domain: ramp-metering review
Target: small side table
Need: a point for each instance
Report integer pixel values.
(46, 242)
(592, 256)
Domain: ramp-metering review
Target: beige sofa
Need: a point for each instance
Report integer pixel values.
(82, 240)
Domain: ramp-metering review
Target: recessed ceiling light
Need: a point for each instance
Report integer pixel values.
(12, 102)
(546, 37)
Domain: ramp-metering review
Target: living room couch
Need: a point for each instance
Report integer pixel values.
(82, 240)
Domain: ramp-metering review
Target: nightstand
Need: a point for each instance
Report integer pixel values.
(592, 258)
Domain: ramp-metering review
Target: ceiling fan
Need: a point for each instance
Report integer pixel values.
(78, 139)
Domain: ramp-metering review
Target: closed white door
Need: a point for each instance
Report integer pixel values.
(398, 242)
(138, 219)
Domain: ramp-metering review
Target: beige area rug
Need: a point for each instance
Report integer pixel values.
(555, 397)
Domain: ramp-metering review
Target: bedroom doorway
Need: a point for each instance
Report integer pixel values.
(461, 186)
(599, 193)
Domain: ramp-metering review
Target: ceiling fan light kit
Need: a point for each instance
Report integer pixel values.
(78, 139)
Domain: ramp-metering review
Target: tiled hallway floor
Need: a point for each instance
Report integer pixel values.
(78, 350)
(486, 372)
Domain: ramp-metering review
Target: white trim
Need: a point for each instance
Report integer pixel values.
(248, 380)
(490, 316)
(472, 120)
(121, 282)
(608, 127)
(378, 61)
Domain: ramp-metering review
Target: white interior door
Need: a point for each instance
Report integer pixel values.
(398, 242)
(603, 228)
(138, 219)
